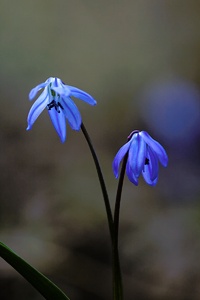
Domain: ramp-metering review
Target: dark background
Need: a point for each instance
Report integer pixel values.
(141, 61)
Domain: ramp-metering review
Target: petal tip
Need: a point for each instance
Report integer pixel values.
(28, 127)
(116, 175)
(32, 93)
(95, 102)
(115, 170)
(166, 162)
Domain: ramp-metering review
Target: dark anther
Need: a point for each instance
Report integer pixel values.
(146, 161)
(51, 105)
(60, 105)
(54, 104)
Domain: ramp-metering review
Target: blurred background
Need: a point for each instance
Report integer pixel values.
(141, 61)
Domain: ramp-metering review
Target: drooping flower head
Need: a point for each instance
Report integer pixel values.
(56, 97)
(144, 153)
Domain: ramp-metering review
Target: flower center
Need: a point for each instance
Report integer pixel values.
(146, 161)
(55, 104)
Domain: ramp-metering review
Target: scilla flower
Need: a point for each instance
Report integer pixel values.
(144, 153)
(56, 97)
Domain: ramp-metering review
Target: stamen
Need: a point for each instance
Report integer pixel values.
(54, 104)
(60, 105)
(51, 105)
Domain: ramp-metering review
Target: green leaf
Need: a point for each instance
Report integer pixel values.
(41, 283)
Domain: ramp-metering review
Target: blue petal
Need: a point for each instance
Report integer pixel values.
(153, 164)
(137, 154)
(150, 172)
(61, 90)
(71, 112)
(36, 109)
(59, 123)
(118, 157)
(56, 83)
(156, 147)
(148, 180)
(36, 89)
(77, 93)
(130, 173)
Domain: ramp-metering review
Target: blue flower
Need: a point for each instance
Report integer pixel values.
(144, 153)
(56, 97)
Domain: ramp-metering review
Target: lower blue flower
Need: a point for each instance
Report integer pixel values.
(143, 153)
(56, 97)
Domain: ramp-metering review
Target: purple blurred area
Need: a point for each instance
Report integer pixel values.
(140, 61)
(171, 109)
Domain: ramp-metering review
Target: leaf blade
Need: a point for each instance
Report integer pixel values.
(40, 282)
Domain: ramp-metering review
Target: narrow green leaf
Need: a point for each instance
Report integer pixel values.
(41, 283)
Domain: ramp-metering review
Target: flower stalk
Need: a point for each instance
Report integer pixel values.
(118, 198)
(117, 280)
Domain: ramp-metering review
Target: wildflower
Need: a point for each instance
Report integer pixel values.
(56, 97)
(143, 156)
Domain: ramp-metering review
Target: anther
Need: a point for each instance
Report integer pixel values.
(51, 105)
(54, 104)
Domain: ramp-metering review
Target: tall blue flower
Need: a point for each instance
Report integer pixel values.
(56, 97)
(144, 153)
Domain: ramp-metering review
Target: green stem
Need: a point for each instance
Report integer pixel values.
(117, 277)
(118, 199)
(116, 226)
(102, 182)
(117, 281)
